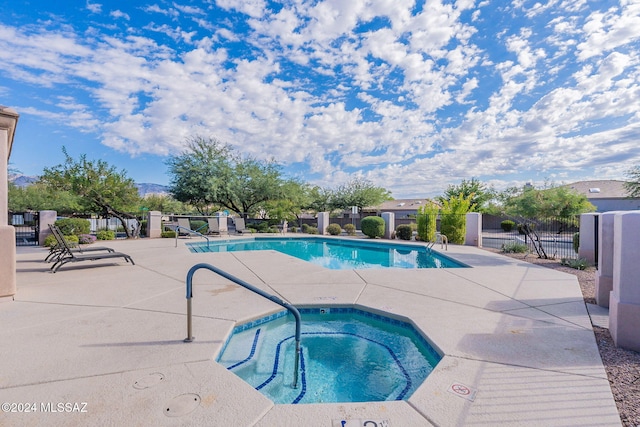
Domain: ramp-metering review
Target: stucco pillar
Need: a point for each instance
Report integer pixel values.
(323, 222)
(624, 303)
(587, 247)
(154, 224)
(473, 235)
(45, 218)
(604, 274)
(389, 223)
(8, 122)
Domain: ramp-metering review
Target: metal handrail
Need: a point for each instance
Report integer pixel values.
(177, 227)
(444, 242)
(292, 309)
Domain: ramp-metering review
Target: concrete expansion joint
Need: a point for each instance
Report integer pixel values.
(535, 368)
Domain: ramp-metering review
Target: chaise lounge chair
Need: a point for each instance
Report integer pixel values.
(214, 226)
(58, 250)
(68, 255)
(240, 228)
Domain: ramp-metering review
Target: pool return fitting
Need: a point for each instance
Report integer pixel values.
(292, 309)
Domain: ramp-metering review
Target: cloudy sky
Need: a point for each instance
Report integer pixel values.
(410, 94)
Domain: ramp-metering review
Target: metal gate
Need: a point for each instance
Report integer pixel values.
(26, 226)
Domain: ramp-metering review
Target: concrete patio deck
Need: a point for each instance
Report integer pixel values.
(109, 338)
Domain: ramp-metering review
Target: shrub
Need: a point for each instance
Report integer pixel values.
(334, 229)
(312, 230)
(105, 235)
(86, 239)
(199, 225)
(453, 220)
(50, 241)
(350, 229)
(578, 264)
(507, 225)
(372, 226)
(168, 234)
(426, 227)
(404, 232)
(576, 242)
(262, 227)
(73, 226)
(514, 248)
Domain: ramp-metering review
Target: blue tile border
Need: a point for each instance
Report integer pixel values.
(339, 310)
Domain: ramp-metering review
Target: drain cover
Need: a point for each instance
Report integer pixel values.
(149, 381)
(182, 405)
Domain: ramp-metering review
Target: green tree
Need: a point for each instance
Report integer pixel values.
(321, 199)
(453, 220)
(297, 198)
(99, 186)
(547, 203)
(633, 185)
(478, 192)
(427, 221)
(209, 175)
(38, 197)
(359, 192)
(164, 203)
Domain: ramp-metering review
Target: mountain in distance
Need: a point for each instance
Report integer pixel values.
(144, 189)
(22, 180)
(147, 188)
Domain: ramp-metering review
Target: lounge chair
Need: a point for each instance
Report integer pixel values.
(68, 255)
(214, 226)
(58, 250)
(240, 228)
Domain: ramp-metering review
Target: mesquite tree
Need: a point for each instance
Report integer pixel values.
(100, 187)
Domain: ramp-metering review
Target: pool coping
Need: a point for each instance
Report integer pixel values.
(516, 338)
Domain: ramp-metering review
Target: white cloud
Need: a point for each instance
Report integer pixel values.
(117, 14)
(420, 101)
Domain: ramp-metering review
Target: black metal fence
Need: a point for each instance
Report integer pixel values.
(26, 227)
(549, 237)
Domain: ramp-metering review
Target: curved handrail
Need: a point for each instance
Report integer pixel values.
(292, 309)
(177, 227)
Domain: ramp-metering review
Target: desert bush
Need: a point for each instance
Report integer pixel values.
(372, 226)
(334, 229)
(350, 229)
(168, 234)
(86, 239)
(105, 235)
(514, 248)
(507, 225)
(576, 242)
(404, 232)
(578, 264)
(50, 241)
(73, 226)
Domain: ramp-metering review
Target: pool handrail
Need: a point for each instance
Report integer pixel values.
(178, 227)
(291, 308)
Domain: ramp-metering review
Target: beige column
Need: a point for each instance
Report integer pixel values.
(624, 302)
(473, 233)
(389, 224)
(8, 122)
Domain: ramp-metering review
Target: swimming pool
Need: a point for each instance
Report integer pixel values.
(337, 254)
(348, 355)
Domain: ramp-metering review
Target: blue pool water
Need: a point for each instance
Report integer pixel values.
(337, 254)
(348, 355)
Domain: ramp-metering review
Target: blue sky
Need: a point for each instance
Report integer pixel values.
(411, 95)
